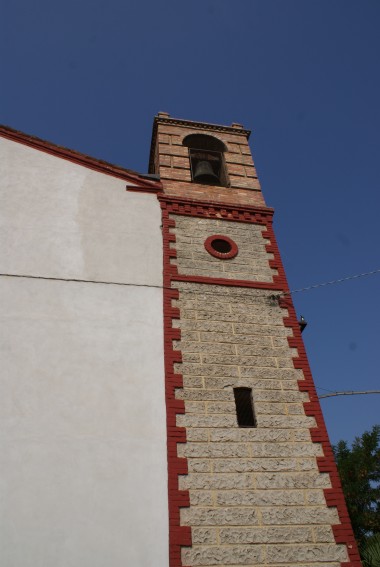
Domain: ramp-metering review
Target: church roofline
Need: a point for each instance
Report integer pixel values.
(132, 177)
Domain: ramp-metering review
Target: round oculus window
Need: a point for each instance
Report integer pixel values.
(221, 247)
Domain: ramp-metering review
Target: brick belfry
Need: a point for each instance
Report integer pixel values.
(252, 479)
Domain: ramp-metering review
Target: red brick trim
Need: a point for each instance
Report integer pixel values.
(140, 183)
(211, 209)
(178, 535)
(209, 245)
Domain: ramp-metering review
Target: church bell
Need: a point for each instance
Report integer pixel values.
(205, 174)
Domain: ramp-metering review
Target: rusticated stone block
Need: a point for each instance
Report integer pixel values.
(255, 340)
(250, 434)
(307, 464)
(215, 482)
(195, 407)
(231, 555)
(199, 465)
(207, 395)
(200, 435)
(306, 515)
(214, 348)
(206, 369)
(269, 408)
(224, 382)
(301, 435)
(291, 480)
(273, 374)
(206, 421)
(201, 498)
(285, 362)
(218, 517)
(286, 450)
(294, 409)
(205, 326)
(315, 497)
(287, 534)
(191, 357)
(265, 396)
(323, 534)
(255, 465)
(260, 498)
(286, 421)
(219, 407)
(188, 335)
(212, 450)
(306, 553)
(238, 360)
(204, 536)
(193, 382)
(264, 350)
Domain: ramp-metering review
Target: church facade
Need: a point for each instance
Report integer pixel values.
(158, 408)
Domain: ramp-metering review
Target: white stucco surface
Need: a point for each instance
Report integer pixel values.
(83, 463)
(63, 220)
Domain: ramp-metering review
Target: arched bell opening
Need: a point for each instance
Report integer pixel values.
(206, 159)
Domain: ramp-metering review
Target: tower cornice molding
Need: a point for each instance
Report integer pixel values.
(202, 125)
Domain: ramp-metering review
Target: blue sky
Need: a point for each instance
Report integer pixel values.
(302, 74)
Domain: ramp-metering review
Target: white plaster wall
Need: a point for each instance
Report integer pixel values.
(62, 220)
(83, 461)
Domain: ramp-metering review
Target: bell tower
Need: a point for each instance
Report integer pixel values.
(251, 474)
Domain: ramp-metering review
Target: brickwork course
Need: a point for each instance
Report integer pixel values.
(267, 495)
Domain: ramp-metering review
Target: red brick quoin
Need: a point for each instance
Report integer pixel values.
(180, 536)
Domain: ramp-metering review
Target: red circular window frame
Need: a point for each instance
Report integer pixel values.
(221, 255)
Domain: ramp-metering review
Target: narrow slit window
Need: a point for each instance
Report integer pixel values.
(244, 407)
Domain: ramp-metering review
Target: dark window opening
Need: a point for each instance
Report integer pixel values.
(206, 159)
(221, 246)
(244, 407)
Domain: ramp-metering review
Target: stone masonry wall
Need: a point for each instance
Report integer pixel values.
(251, 262)
(256, 495)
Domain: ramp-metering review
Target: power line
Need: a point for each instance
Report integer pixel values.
(332, 282)
(331, 393)
(254, 298)
(273, 295)
(325, 389)
(349, 393)
(77, 280)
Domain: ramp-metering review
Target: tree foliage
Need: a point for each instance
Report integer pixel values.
(370, 552)
(359, 469)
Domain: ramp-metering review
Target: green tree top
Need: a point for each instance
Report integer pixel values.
(359, 469)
